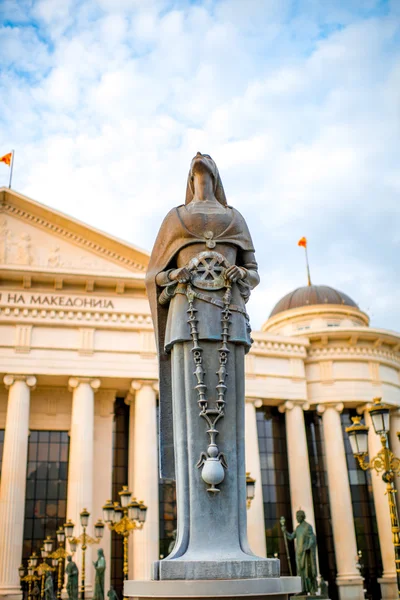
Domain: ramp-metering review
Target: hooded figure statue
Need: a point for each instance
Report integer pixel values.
(199, 279)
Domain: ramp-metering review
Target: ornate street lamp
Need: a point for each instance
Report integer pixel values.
(58, 557)
(30, 577)
(123, 519)
(83, 540)
(250, 489)
(43, 567)
(384, 462)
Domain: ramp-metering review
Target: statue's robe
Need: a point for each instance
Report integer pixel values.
(100, 567)
(174, 235)
(306, 556)
(72, 583)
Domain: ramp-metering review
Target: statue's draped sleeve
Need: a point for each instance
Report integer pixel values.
(172, 237)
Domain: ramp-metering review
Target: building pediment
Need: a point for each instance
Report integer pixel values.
(33, 236)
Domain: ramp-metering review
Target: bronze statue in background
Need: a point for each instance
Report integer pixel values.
(306, 552)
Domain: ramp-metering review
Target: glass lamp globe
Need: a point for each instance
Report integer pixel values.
(69, 528)
(43, 552)
(358, 437)
(30, 571)
(134, 510)
(33, 560)
(21, 571)
(54, 562)
(118, 513)
(143, 512)
(72, 545)
(60, 535)
(250, 487)
(48, 544)
(84, 515)
(99, 529)
(108, 512)
(380, 416)
(125, 496)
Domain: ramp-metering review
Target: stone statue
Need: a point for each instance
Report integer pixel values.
(100, 567)
(73, 579)
(306, 549)
(201, 272)
(112, 594)
(49, 587)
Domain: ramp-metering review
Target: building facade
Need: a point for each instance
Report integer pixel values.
(79, 403)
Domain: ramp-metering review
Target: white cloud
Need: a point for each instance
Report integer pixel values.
(106, 101)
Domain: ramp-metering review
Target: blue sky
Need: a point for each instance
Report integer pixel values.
(106, 101)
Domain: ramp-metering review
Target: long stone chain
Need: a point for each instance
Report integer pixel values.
(212, 473)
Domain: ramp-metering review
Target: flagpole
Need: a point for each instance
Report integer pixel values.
(11, 169)
(308, 266)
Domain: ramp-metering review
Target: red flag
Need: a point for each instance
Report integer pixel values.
(302, 242)
(6, 159)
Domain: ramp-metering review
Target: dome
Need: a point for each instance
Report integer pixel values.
(312, 294)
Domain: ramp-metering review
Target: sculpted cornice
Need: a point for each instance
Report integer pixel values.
(73, 316)
(280, 346)
(348, 352)
(76, 238)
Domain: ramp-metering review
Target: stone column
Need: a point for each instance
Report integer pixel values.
(81, 464)
(103, 469)
(299, 466)
(130, 401)
(388, 580)
(13, 480)
(145, 478)
(348, 578)
(255, 514)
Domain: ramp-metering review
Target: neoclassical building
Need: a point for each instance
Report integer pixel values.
(79, 403)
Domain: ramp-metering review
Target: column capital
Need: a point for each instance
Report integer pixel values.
(290, 404)
(30, 380)
(256, 402)
(138, 384)
(74, 382)
(338, 406)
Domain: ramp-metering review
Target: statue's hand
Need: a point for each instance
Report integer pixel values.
(234, 273)
(182, 275)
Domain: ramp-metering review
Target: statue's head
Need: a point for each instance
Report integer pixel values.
(69, 558)
(203, 163)
(300, 516)
(100, 552)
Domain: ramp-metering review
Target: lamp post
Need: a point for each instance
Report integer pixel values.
(250, 489)
(83, 540)
(384, 462)
(124, 518)
(58, 556)
(30, 577)
(44, 567)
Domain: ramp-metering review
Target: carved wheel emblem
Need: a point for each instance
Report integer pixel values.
(207, 270)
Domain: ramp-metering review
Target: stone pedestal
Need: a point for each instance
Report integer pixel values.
(274, 588)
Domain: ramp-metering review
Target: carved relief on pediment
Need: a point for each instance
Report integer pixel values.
(14, 249)
(24, 245)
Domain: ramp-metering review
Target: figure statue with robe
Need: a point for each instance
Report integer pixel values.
(72, 579)
(100, 568)
(200, 276)
(49, 586)
(306, 552)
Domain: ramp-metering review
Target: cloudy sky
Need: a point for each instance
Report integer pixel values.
(106, 102)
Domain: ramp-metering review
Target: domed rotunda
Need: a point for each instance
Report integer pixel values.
(314, 307)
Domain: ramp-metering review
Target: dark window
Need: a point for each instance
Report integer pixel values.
(46, 487)
(1, 447)
(364, 516)
(275, 481)
(119, 478)
(323, 523)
